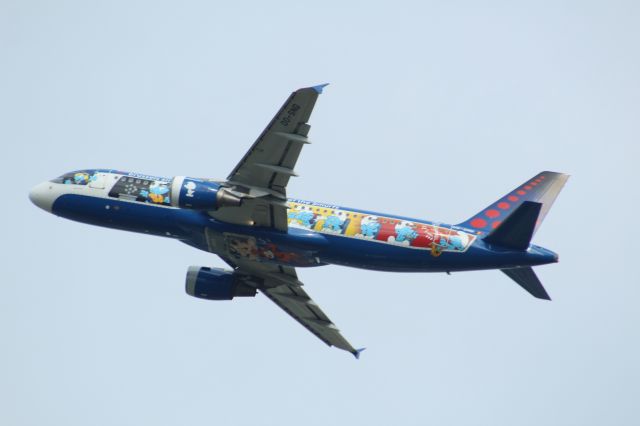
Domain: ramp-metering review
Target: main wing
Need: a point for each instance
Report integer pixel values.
(261, 177)
(270, 161)
(281, 285)
(260, 180)
(297, 303)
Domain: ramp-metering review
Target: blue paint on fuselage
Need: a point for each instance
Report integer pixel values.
(189, 227)
(368, 254)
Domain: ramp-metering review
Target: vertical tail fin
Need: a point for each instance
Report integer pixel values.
(542, 188)
(516, 230)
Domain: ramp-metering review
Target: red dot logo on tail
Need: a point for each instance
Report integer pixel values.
(478, 223)
(492, 213)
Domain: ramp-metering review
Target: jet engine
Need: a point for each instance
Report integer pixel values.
(200, 194)
(216, 284)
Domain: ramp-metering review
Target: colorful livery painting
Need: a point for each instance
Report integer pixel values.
(335, 220)
(248, 221)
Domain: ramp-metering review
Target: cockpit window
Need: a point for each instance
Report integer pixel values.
(80, 177)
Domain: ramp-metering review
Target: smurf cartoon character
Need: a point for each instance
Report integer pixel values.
(457, 242)
(334, 222)
(81, 178)
(242, 247)
(303, 217)
(157, 193)
(369, 227)
(453, 242)
(266, 251)
(190, 187)
(404, 234)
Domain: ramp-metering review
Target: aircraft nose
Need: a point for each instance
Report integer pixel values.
(42, 196)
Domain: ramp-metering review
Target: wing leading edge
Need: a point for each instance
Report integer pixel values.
(262, 175)
(270, 161)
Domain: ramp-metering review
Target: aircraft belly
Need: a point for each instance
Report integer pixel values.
(248, 243)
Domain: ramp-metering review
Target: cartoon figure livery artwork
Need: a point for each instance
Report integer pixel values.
(369, 227)
(404, 233)
(303, 217)
(334, 222)
(248, 221)
(157, 193)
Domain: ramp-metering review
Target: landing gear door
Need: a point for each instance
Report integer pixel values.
(97, 181)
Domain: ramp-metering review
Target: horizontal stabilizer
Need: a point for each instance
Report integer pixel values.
(517, 229)
(357, 352)
(528, 280)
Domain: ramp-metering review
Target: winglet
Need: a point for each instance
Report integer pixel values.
(356, 352)
(319, 87)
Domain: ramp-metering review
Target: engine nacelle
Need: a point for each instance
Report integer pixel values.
(216, 284)
(199, 194)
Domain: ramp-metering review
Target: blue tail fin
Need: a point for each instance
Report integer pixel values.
(542, 188)
(517, 229)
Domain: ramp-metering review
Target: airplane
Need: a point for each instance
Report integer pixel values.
(248, 221)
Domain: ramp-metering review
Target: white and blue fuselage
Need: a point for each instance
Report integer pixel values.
(317, 234)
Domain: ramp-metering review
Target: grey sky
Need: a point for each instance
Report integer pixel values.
(434, 110)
